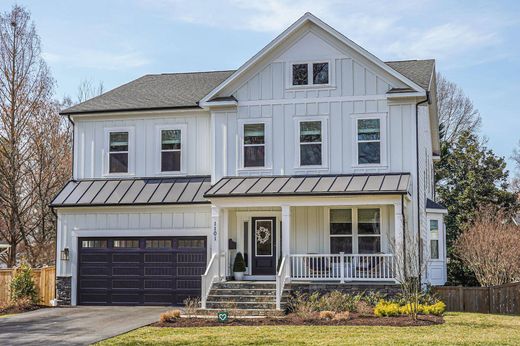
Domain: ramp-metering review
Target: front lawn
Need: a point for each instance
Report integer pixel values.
(459, 329)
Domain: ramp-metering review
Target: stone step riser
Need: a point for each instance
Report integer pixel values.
(240, 285)
(227, 292)
(239, 305)
(241, 298)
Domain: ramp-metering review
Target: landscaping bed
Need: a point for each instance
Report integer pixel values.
(294, 320)
(16, 309)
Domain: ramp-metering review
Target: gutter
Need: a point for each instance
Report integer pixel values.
(419, 247)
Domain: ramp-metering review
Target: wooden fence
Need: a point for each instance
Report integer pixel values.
(503, 299)
(45, 279)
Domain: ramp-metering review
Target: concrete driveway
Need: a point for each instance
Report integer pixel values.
(74, 326)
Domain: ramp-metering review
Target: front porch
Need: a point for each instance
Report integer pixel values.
(342, 240)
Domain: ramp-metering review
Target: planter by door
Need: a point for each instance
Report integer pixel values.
(264, 246)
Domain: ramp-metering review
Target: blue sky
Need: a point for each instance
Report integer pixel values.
(476, 43)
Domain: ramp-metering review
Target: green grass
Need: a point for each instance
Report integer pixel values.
(459, 329)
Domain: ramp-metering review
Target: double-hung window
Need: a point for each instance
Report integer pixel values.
(311, 143)
(171, 147)
(254, 145)
(434, 239)
(369, 141)
(316, 73)
(341, 231)
(355, 231)
(118, 152)
(369, 231)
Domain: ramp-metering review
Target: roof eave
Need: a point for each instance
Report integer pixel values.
(129, 110)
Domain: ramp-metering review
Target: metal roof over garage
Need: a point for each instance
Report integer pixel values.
(353, 184)
(127, 192)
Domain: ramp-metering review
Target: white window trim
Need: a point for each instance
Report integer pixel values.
(383, 139)
(268, 159)
(131, 151)
(440, 238)
(158, 149)
(324, 142)
(289, 75)
(383, 232)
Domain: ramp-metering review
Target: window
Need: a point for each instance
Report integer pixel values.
(369, 141)
(190, 243)
(341, 230)
(254, 145)
(158, 244)
(310, 143)
(118, 152)
(356, 230)
(128, 244)
(310, 73)
(171, 150)
(94, 244)
(434, 239)
(369, 231)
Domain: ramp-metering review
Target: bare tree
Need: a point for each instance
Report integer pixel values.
(515, 183)
(489, 247)
(456, 110)
(88, 90)
(34, 144)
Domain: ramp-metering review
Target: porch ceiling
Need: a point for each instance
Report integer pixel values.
(316, 185)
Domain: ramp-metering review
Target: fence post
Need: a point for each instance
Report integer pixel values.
(342, 267)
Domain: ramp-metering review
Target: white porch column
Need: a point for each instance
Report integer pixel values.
(399, 255)
(286, 236)
(215, 234)
(224, 248)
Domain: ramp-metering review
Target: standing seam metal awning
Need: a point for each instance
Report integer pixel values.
(316, 185)
(139, 191)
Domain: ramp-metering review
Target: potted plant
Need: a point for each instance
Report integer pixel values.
(239, 267)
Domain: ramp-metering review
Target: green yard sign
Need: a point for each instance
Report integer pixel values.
(223, 316)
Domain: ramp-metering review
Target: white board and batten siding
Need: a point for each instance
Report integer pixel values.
(74, 223)
(90, 143)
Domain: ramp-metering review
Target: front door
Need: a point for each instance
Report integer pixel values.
(264, 246)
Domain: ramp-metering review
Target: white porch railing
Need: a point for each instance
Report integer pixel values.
(343, 267)
(281, 276)
(208, 278)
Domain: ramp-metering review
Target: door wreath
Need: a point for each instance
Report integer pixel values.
(262, 235)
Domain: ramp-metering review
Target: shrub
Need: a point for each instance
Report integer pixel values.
(327, 315)
(385, 308)
(191, 305)
(338, 302)
(364, 309)
(23, 286)
(436, 309)
(304, 305)
(409, 309)
(373, 297)
(342, 316)
(170, 316)
(239, 266)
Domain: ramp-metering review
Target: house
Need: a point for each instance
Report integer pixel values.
(314, 159)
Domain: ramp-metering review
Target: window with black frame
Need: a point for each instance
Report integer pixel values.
(341, 231)
(369, 231)
(254, 145)
(118, 152)
(311, 141)
(369, 141)
(434, 239)
(171, 150)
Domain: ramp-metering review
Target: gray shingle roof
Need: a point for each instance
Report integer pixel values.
(185, 90)
(434, 205)
(418, 71)
(317, 185)
(140, 191)
(154, 91)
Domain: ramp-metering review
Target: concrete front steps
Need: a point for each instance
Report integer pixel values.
(244, 298)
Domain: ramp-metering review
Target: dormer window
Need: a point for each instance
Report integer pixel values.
(313, 73)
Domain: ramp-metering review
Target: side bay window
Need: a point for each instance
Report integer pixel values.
(311, 143)
(119, 151)
(171, 148)
(434, 239)
(369, 134)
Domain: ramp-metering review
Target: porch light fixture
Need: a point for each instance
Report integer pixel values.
(64, 254)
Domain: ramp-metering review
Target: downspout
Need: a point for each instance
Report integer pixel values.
(419, 253)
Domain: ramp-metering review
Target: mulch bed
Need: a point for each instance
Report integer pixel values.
(17, 309)
(293, 320)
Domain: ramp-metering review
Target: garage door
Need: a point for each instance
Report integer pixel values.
(140, 271)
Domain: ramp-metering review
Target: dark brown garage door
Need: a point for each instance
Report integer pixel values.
(140, 271)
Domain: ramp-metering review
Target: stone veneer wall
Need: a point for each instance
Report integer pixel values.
(63, 290)
(304, 287)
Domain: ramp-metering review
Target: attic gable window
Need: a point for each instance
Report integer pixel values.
(315, 73)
